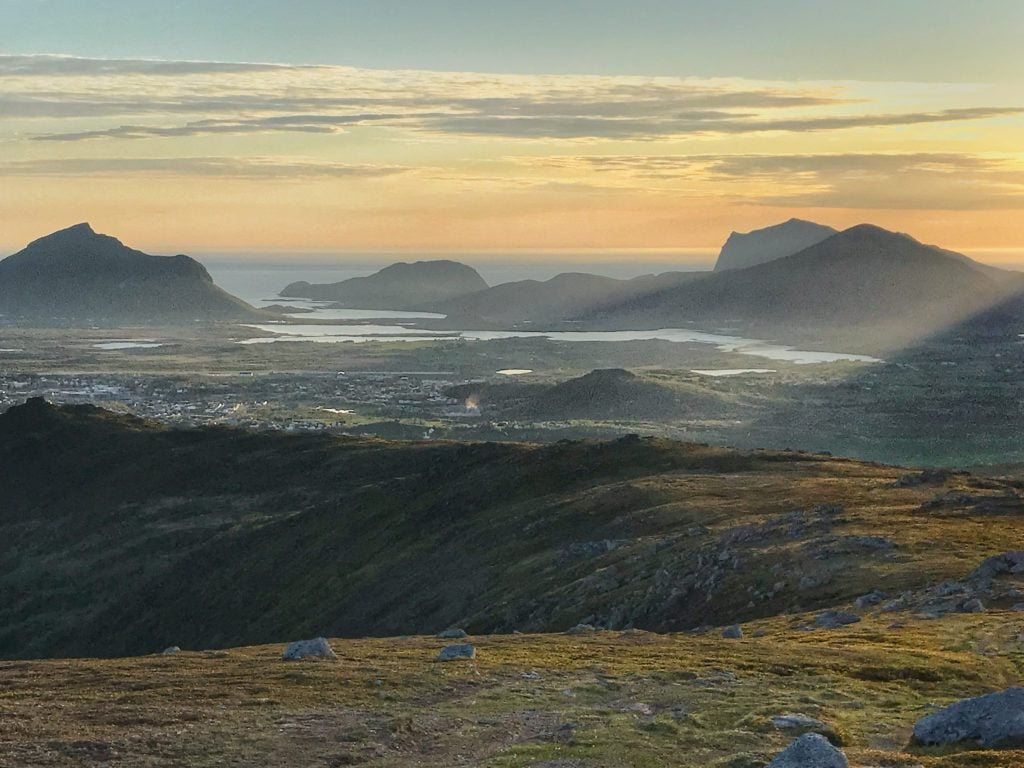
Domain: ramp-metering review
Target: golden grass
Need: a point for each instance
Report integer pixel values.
(608, 699)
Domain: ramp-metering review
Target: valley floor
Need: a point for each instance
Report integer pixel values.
(604, 699)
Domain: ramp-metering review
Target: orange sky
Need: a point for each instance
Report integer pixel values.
(197, 157)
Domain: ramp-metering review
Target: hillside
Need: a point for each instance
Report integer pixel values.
(398, 286)
(121, 537)
(77, 275)
(562, 297)
(602, 700)
(604, 395)
(880, 288)
(748, 249)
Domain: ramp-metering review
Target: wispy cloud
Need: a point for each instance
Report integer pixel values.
(944, 181)
(73, 66)
(196, 98)
(227, 167)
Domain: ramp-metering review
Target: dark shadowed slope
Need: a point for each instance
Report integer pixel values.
(748, 249)
(77, 275)
(398, 286)
(122, 537)
(562, 297)
(865, 283)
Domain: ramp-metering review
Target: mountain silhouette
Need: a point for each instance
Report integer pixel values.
(748, 249)
(398, 286)
(77, 275)
(874, 287)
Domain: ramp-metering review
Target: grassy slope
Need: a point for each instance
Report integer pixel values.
(638, 700)
(122, 538)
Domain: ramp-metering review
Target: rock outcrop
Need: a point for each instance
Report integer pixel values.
(812, 750)
(991, 721)
(317, 648)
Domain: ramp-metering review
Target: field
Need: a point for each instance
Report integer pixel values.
(609, 699)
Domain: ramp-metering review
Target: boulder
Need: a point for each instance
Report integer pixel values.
(974, 605)
(452, 634)
(317, 648)
(835, 619)
(874, 597)
(581, 629)
(812, 750)
(993, 720)
(732, 633)
(800, 724)
(169, 651)
(997, 565)
(457, 652)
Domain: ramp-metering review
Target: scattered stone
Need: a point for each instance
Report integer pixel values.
(581, 629)
(974, 605)
(812, 750)
(811, 582)
(452, 634)
(732, 633)
(1019, 607)
(317, 648)
(171, 650)
(457, 652)
(835, 619)
(871, 542)
(874, 597)
(993, 720)
(638, 708)
(998, 565)
(925, 477)
(759, 633)
(947, 588)
(806, 724)
(950, 500)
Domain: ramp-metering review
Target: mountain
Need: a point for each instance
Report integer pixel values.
(398, 286)
(564, 296)
(77, 275)
(871, 286)
(748, 249)
(119, 536)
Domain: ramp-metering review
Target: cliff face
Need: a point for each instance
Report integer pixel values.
(748, 249)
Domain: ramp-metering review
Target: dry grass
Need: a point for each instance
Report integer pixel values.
(609, 699)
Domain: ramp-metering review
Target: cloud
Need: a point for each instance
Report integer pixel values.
(227, 167)
(43, 65)
(688, 124)
(280, 123)
(923, 180)
(132, 99)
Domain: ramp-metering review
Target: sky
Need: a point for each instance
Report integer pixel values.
(571, 127)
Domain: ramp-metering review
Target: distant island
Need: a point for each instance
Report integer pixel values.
(399, 286)
(76, 275)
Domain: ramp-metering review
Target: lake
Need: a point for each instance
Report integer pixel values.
(392, 333)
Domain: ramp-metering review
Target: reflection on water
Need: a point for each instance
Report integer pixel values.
(731, 371)
(379, 333)
(326, 313)
(127, 345)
